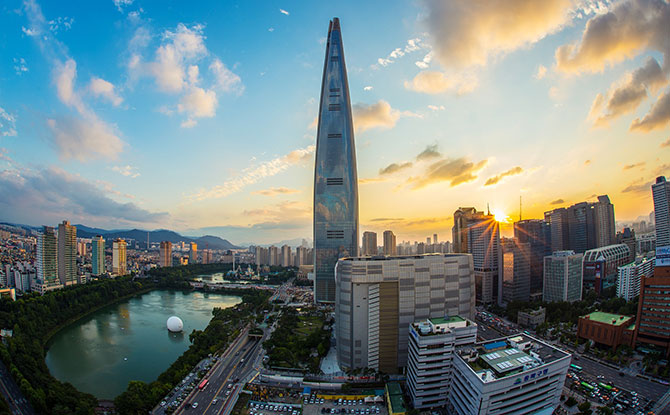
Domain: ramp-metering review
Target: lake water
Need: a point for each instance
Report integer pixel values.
(128, 341)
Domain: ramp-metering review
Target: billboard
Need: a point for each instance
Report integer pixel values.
(663, 256)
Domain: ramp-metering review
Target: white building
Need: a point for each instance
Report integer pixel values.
(430, 354)
(628, 280)
(514, 375)
(563, 276)
(661, 193)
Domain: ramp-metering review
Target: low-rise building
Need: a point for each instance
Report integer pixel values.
(531, 318)
(607, 329)
(430, 354)
(514, 375)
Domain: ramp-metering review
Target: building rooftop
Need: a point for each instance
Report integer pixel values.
(392, 257)
(513, 355)
(447, 319)
(608, 318)
(395, 397)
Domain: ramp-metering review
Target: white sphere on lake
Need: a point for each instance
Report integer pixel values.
(174, 324)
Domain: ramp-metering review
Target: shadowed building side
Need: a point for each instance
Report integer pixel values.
(335, 176)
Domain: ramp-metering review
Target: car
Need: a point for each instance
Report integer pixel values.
(195, 405)
(163, 403)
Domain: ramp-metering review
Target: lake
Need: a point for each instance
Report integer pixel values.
(126, 341)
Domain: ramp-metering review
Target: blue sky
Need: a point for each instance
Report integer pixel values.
(199, 116)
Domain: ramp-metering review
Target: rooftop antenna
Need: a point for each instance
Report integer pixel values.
(488, 209)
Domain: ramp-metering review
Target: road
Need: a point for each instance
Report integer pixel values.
(18, 404)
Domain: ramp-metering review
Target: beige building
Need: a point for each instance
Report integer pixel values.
(119, 262)
(390, 247)
(369, 243)
(165, 258)
(193, 254)
(67, 253)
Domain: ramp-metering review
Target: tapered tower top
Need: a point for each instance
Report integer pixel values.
(334, 24)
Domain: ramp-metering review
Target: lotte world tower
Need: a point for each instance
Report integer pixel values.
(335, 177)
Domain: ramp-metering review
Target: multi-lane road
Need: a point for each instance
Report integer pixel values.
(18, 404)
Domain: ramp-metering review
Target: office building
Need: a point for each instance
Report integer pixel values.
(516, 271)
(478, 234)
(601, 265)
(627, 237)
(628, 278)
(536, 233)
(369, 243)
(435, 239)
(604, 222)
(193, 254)
(430, 353)
(645, 243)
(661, 193)
(390, 247)
(119, 262)
(378, 298)
(652, 326)
(335, 176)
(286, 256)
(531, 318)
(515, 375)
(98, 255)
(67, 253)
(562, 277)
(607, 329)
(558, 228)
(165, 255)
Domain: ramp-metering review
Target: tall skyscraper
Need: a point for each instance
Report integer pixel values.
(273, 256)
(478, 234)
(335, 175)
(98, 255)
(603, 215)
(165, 258)
(67, 253)
(193, 254)
(119, 266)
(379, 297)
(562, 277)
(558, 222)
(661, 193)
(285, 256)
(47, 257)
(434, 239)
(369, 243)
(516, 271)
(390, 247)
(536, 233)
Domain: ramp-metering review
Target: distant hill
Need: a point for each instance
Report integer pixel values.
(207, 241)
(83, 231)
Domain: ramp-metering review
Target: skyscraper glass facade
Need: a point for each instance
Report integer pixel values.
(335, 176)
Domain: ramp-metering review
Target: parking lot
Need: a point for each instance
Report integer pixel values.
(313, 405)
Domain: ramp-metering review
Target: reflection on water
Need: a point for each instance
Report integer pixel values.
(217, 278)
(128, 341)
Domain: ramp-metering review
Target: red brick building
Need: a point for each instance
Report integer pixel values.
(653, 313)
(607, 329)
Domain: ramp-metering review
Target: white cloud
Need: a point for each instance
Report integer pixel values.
(282, 11)
(7, 124)
(377, 115)
(197, 103)
(85, 138)
(29, 32)
(436, 107)
(127, 170)
(60, 23)
(435, 82)
(425, 62)
(412, 45)
(20, 66)
(101, 88)
(541, 72)
(367, 88)
(226, 80)
(255, 174)
(120, 4)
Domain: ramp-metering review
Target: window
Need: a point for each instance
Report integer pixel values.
(334, 181)
(334, 234)
(334, 107)
(334, 89)
(334, 135)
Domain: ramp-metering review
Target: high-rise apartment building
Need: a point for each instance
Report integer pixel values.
(536, 233)
(286, 256)
(603, 216)
(165, 256)
(67, 253)
(206, 256)
(98, 255)
(369, 243)
(273, 256)
(390, 246)
(516, 271)
(430, 353)
(193, 254)
(379, 297)
(434, 239)
(335, 175)
(562, 277)
(301, 256)
(119, 261)
(47, 257)
(515, 375)
(629, 276)
(661, 193)
(478, 233)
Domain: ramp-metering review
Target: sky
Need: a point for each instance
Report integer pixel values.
(200, 117)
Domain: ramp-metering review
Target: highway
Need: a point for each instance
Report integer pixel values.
(18, 405)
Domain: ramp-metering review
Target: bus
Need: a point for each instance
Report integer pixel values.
(202, 384)
(576, 368)
(587, 386)
(605, 386)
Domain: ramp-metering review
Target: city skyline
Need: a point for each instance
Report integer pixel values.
(147, 120)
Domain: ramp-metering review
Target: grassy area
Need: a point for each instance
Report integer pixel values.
(308, 325)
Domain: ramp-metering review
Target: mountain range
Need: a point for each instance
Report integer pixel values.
(204, 242)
